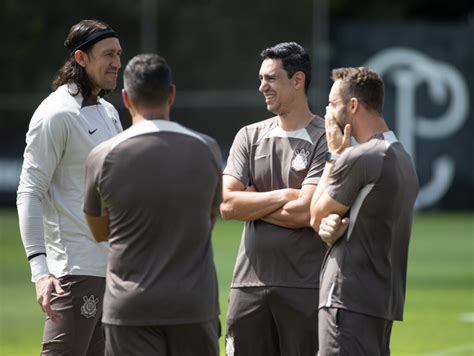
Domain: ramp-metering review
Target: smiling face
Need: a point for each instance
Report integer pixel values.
(102, 64)
(279, 90)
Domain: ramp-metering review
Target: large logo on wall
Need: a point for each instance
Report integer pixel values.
(407, 70)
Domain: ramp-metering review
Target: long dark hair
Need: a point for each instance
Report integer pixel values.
(71, 71)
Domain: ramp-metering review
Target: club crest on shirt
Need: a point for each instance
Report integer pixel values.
(89, 308)
(116, 125)
(229, 346)
(300, 160)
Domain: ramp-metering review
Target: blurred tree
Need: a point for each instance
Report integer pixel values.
(210, 43)
(32, 47)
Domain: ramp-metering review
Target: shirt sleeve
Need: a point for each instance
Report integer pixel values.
(317, 163)
(217, 155)
(45, 144)
(351, 173)
(238, 160)
(93, 203)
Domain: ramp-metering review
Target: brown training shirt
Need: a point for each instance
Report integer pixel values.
(365, 271)
(161, 184)
(269, 158)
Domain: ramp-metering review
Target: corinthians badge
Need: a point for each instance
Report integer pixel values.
(300, 160)
(89, 308)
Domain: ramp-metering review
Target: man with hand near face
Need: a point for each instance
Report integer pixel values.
(363, 277)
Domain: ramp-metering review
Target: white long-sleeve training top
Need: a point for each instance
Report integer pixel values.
(50, 195)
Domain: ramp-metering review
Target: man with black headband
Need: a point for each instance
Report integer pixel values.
(67, 264)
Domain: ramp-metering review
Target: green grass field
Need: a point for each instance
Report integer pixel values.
(439, 313)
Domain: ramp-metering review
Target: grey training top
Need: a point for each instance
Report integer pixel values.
(161, 184)
(61, 134)
(269, 158)
(365, 271)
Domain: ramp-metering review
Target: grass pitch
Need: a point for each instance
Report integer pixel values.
(439, 312)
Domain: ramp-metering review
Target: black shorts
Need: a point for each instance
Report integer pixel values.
(79, 331)
(201, 339)
(272, 321)
(342, 332)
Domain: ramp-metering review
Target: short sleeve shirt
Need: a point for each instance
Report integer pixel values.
(269, 158)
(161, 184)
(365, 271)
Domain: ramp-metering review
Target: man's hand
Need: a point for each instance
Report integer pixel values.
(45, 286)
(337, 140)
(332, 228)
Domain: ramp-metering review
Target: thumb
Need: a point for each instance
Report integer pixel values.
(346, 139)
(343, 226)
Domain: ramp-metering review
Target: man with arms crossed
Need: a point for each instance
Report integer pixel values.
(154, 192)
(364, 273)
(67, 264)
(271, 174)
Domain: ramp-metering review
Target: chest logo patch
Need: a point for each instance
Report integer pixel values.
(300, 160)
(89, 308)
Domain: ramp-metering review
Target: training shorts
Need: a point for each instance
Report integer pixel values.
(272, 321)
(201, 339)
(342, 332)
(79, 331)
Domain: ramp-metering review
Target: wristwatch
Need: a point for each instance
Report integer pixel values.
(331, 156)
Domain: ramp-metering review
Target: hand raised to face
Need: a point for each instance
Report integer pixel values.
(337, 140)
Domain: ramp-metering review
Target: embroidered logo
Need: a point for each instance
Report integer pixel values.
(89, 308)
(116, 125)
(92, 131)
(229, 346)
(300, 160)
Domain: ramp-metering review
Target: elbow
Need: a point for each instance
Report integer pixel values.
(226, 211)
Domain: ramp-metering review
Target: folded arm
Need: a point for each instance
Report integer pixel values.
(326, 213)
(240, 203)
(295, 213)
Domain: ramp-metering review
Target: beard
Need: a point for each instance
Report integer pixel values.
(343, 119)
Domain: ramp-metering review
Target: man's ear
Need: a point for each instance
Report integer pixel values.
(353, 105)
(299, 78)
(81, 58)
(126, 99)
(171, 94)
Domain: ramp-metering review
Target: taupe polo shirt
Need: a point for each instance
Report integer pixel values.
(161, 184)
(365, 271)
(269, 158)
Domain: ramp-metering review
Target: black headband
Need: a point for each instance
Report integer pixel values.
(92, 39)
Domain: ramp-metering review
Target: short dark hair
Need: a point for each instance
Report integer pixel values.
(294, 58)
(147, 79)
(71, 71)
(362, 83)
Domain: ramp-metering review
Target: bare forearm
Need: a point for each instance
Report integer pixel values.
(246, 206)
(294, 214)
(316, 211)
